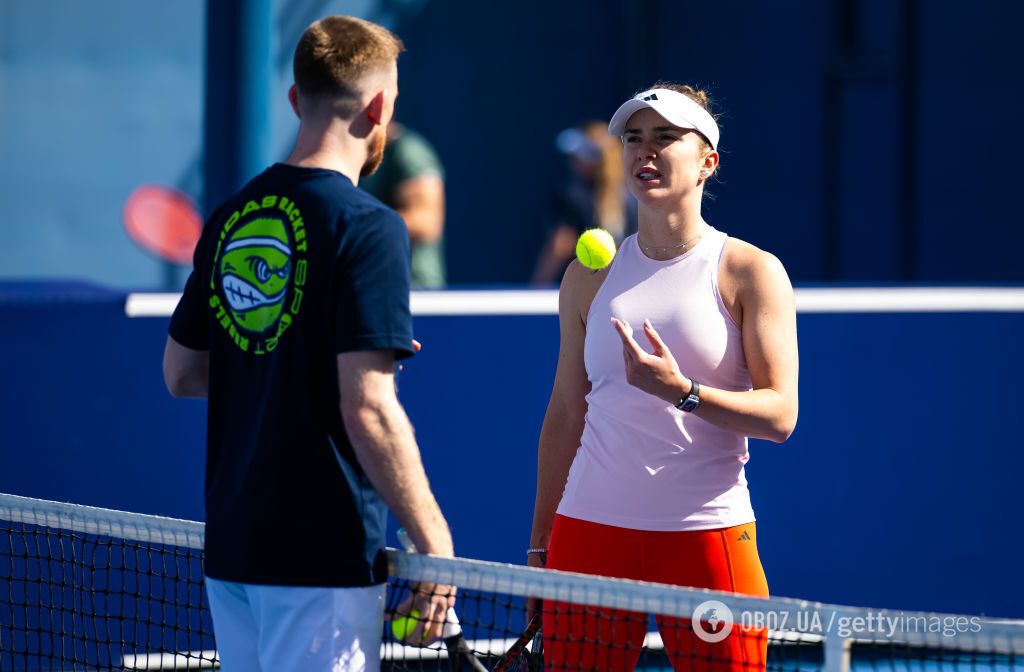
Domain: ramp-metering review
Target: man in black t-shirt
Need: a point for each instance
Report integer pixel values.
(291, 323)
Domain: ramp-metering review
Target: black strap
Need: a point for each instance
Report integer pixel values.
(694, 392)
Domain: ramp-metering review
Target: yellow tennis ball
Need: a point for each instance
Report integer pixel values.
(403, 626)
(595, 248)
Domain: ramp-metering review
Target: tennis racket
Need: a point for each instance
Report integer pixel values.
(516, 659)
(460, 656)
(164, 222)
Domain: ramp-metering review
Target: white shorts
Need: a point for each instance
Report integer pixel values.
(296, 629)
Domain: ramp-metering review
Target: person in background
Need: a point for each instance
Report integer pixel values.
(411, 181)
(594, 196)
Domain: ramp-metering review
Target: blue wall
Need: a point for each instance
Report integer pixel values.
(858, 143)
(95, 99)
(898, 489)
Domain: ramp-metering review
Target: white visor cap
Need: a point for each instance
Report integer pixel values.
(678, 109)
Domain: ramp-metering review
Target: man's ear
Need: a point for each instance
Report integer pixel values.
(375, 110)
(293, 98)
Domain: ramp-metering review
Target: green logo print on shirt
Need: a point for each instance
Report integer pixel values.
(258, 260)
(254, 272)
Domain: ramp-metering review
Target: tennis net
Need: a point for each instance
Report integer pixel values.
(83, 588)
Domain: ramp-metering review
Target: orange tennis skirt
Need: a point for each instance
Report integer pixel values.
(584, 638)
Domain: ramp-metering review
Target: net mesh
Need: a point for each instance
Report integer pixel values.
(91, 589)
(85, 588)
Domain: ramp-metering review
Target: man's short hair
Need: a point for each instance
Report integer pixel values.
(335, 53)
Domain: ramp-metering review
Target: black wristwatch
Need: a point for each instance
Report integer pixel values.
(690, 402)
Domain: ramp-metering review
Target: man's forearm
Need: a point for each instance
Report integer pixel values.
(386, 448)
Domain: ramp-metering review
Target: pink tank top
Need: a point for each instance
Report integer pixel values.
(641, 463)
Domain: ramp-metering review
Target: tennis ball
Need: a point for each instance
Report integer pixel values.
(595, 248)
(402, 626)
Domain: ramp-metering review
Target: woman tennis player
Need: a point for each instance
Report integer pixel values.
(669, 359)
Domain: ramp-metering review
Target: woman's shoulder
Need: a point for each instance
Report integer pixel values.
(744, 261)
(747, 272)
(579, 287)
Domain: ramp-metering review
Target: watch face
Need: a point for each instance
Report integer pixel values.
(690, 404)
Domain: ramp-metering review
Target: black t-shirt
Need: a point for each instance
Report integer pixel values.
(296, 268)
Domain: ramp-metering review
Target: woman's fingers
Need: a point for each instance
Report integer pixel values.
(657, 344)
(630, 346)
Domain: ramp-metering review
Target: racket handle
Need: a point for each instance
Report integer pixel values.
(405, 541)
(452, 627)
(461, 657)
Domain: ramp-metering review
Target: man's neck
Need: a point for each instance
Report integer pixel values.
(332, 148)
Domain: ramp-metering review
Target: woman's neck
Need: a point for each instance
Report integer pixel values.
(664, 233)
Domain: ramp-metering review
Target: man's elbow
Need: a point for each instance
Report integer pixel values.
(173, 379)
(176, 386)
(185, 384)
(186, 372)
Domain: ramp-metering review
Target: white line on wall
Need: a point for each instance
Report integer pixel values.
(808, 300)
